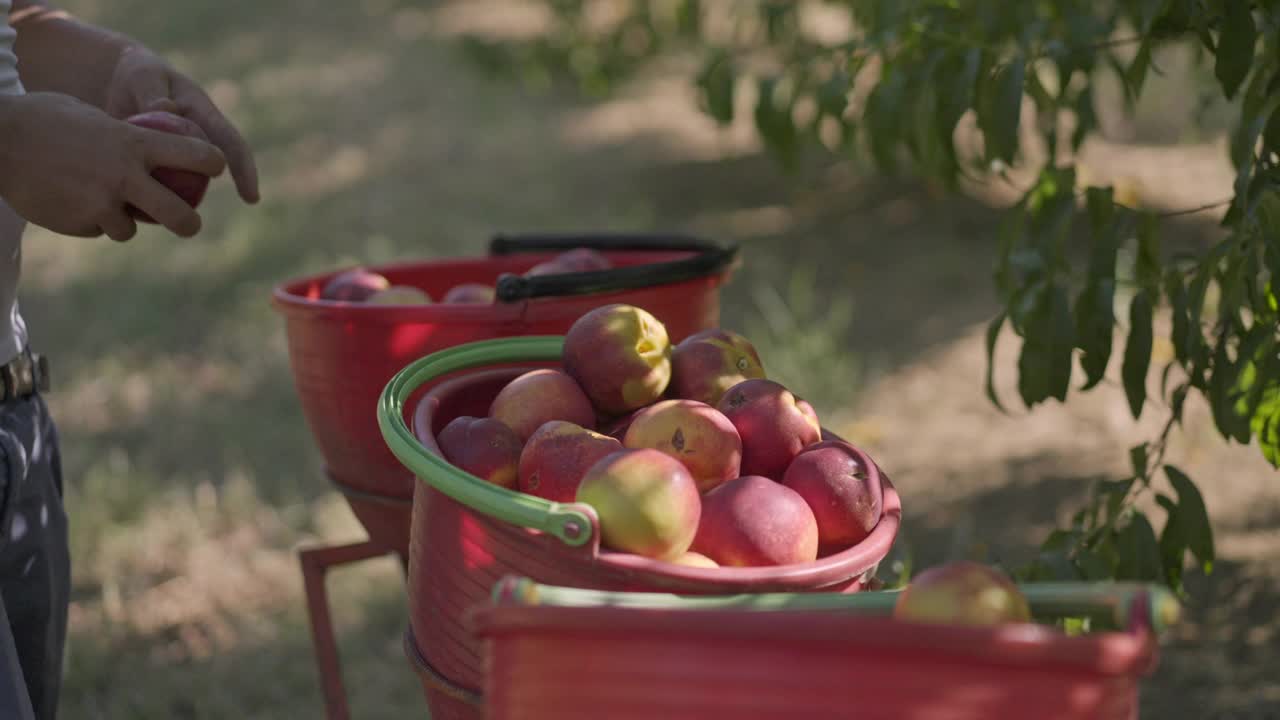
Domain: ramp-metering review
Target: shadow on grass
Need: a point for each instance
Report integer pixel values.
(267, 672)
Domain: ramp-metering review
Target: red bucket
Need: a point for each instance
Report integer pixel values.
(466, 534)
(557, 653)
(342, 354)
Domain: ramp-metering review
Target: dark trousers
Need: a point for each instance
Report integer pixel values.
(35, 567)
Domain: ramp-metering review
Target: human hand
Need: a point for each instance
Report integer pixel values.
(143, 82)
(67, 166)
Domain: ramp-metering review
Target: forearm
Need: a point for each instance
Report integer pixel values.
(57, 53)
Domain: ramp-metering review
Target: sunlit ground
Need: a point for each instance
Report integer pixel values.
(193, 478)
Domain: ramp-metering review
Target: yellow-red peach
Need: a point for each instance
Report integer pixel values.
(620, 355)
(696, 434)
(693, 559)
(706, 364)
(962, 593)
(556, 457)
(647, 503)
(540, 396)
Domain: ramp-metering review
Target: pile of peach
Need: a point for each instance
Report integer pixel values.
(687, 453)
(361, 285)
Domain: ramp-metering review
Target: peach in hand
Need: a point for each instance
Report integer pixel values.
(190, 186)
(620, 355)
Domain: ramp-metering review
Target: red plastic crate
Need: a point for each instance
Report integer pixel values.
(546, 662)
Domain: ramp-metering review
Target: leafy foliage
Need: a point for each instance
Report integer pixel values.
(909, 81)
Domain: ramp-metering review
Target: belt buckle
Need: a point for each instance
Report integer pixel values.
(24, 375)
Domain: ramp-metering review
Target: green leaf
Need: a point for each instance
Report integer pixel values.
(1086, 117)
(1094, 322)
(1148, 11)
(1138, 460)
(1093, 566)
(1181, 334)
(883, 118)
(1173, 542)
(993, 333)
(1137, 353)
(1136, 74)
(1115, 491)
(1060, 540)
(774, 121)
(1000, 109)
(1147, 266)
(833, 94)
(1044, 366)
(1192, 517)
(1095, 316)
(1236, 39)
(1266, 422)
(1269, 226)
(689, 17)
(717, 84)
(1140, 557)
(1221, 400)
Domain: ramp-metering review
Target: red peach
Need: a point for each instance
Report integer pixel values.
(399, 295)
(539, 396)
(620, 355)
(483, 447)
(774, 424)
(549, 267)
(477, 293)
(836, 480)
(556, 457)
(647, 503)
(694, 433)
(190, 186)
(753, 521)
(354, 285)
(962, 593)
(583, 259)
(706, 364)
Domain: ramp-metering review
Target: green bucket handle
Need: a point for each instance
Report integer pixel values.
(573, 524)
(1108, 605)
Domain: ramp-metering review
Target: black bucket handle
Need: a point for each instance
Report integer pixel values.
(711, 259)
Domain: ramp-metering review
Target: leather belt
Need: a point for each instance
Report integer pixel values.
(23, 376)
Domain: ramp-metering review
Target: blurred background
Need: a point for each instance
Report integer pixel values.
(193, 478)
